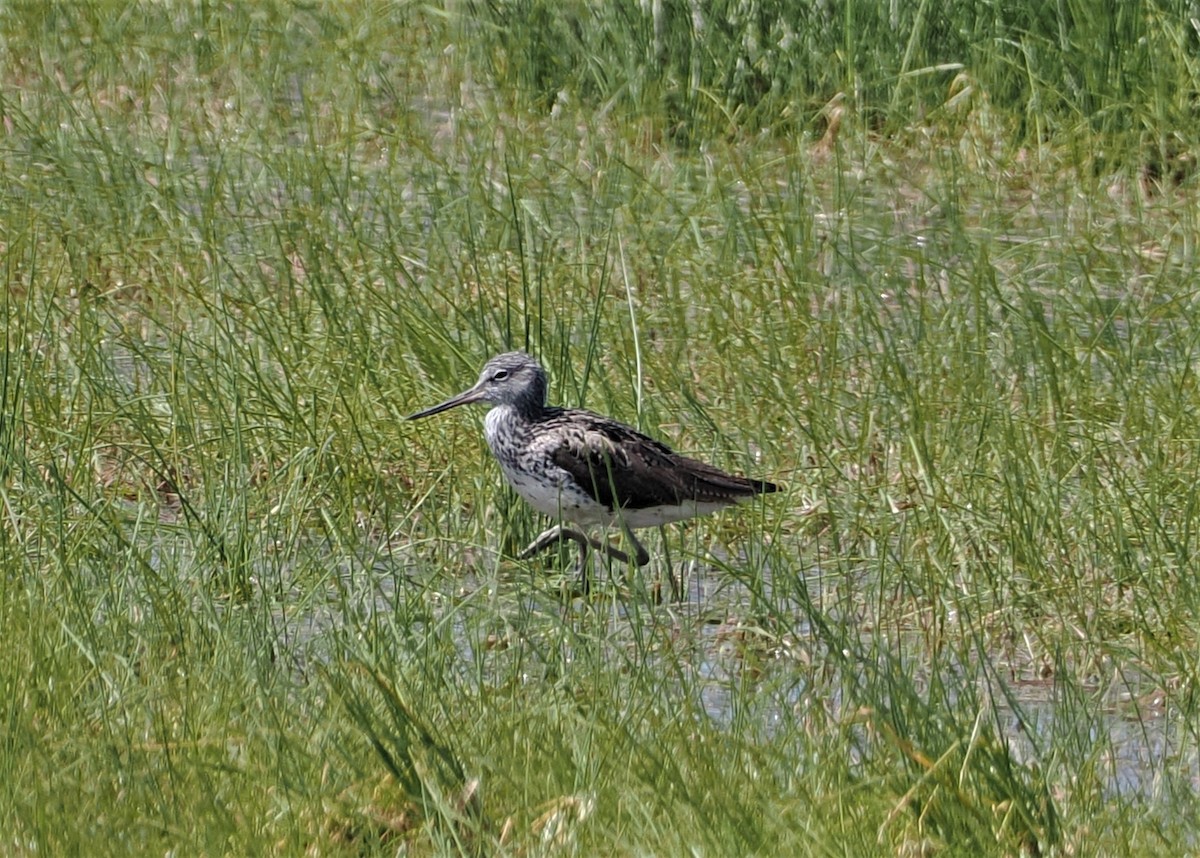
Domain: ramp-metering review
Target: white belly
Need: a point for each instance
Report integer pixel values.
(556, 495)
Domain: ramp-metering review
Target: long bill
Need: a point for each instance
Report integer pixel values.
(464, 398)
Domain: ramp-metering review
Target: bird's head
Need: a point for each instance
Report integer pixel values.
(513, 378)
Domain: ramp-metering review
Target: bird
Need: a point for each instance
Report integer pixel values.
(586, 469)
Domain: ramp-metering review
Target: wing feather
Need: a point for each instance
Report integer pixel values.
(620, 467)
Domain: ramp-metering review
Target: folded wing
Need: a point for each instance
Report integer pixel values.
(621, 467)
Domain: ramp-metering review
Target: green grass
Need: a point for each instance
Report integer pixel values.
(935, 275)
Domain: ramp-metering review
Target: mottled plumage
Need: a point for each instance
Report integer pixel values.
(577, 466)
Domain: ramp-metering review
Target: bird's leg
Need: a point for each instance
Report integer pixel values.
(676, 585)
(545, 540)
(559, 532)
(581, 569)
(556, 536)
(642, 556)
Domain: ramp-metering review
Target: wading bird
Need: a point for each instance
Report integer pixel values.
(580, 467)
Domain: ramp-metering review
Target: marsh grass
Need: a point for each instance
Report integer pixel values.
(939, 286)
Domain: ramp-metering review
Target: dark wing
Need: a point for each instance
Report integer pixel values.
(619, 466)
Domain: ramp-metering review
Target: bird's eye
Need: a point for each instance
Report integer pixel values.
(500, 375)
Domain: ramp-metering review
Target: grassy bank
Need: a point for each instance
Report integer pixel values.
(936, 278)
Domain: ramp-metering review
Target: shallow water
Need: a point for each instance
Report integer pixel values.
(743, 661)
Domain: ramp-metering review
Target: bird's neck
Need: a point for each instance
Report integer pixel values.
(506, 425)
